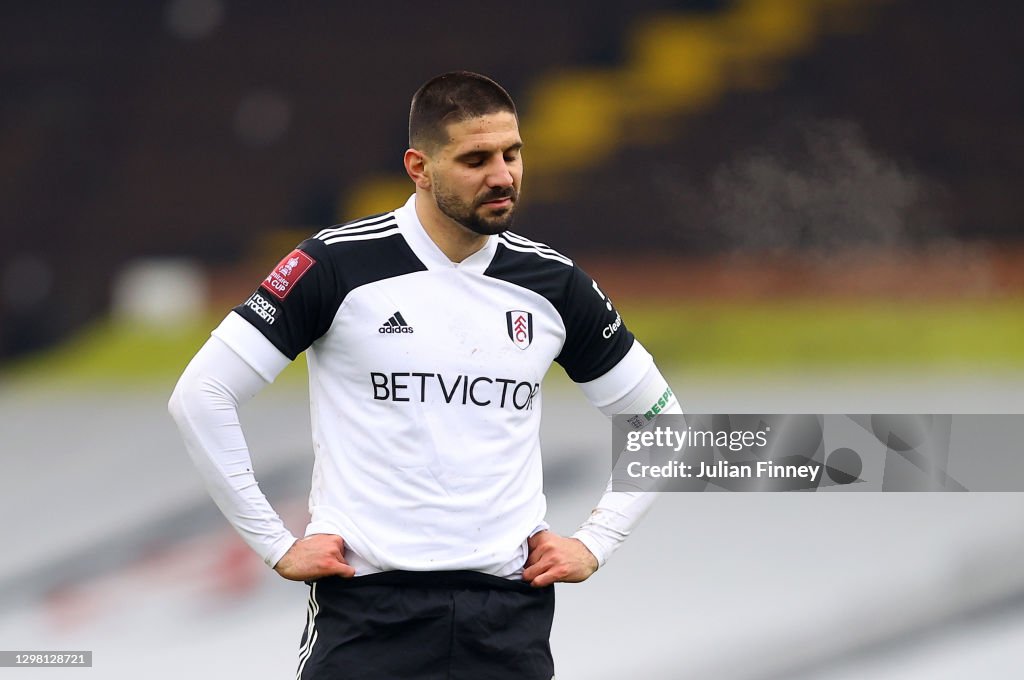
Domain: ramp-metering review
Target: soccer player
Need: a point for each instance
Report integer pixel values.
(428, 331)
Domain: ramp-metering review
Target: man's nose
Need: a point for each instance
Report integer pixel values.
(500, 175)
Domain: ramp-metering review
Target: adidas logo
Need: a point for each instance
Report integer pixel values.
(396, 324)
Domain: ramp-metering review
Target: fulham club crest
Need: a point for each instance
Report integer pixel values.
(520, 327)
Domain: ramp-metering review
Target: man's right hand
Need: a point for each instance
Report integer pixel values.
(315, 557)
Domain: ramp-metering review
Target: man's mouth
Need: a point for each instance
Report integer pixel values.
(502, 201)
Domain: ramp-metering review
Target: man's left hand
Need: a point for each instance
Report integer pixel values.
(556, 559)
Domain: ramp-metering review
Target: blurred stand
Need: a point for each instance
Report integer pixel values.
(765, 127)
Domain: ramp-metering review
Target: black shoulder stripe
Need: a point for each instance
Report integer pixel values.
(363, 234)
(523, 245)
(356, 225)
(375, 255)
(527, 268)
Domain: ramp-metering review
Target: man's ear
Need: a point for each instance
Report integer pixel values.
(416, 167)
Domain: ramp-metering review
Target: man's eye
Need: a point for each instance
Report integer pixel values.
(512, 158)
(474, 164)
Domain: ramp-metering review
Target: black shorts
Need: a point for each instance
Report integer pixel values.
(453, 625)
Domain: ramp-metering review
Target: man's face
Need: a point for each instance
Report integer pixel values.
(475, 177)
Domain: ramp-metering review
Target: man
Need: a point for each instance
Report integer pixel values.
(428, 331)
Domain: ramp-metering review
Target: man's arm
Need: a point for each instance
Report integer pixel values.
(205, 407)
(632, 386)
(635, 385)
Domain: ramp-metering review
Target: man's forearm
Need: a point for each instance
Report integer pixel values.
(205, 407)
(619, 512)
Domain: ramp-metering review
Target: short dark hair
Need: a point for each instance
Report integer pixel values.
(452, 98)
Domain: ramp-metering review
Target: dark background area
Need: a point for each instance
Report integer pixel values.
(121, 138)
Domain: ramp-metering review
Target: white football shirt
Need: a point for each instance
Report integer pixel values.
(425, 383)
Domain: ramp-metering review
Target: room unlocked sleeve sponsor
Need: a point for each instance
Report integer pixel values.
(801, 452)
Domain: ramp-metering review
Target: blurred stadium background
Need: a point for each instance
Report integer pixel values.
(800, 206)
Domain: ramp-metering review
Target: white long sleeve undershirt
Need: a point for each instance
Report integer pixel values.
(618, 512)
(205, 406)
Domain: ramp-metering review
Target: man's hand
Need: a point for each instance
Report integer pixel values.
(554, 558)
(314, 557)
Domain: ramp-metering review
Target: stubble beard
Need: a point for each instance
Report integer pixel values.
(469, 216)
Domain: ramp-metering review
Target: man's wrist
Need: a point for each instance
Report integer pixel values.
(279, 550)
(591, 545)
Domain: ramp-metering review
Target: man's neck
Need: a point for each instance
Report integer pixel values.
(454, 240)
